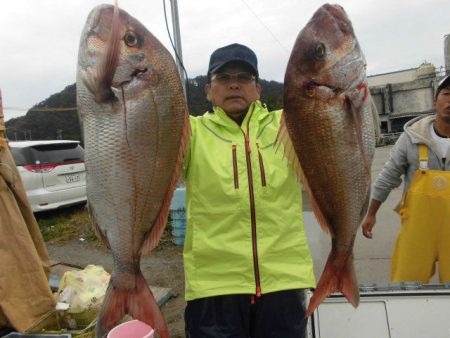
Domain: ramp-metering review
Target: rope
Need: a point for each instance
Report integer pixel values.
(3, 141)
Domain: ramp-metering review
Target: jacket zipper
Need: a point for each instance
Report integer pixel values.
(235, 169)
(261, 167)
(252, 210)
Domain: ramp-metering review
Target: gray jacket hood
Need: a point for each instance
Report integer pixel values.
(418, 129)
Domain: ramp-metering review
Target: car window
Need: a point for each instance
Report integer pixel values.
(19, 155)
(57, 153)
(48, 153)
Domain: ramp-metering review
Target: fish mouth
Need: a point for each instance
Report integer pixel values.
(136, 74)
(356, 65)
(311, 85)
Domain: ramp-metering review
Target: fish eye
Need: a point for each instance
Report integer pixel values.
(130, 39)
(320, 50)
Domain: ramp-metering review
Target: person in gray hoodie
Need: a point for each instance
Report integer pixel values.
(421, 156)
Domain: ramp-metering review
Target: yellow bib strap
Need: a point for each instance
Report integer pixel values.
(423, 156)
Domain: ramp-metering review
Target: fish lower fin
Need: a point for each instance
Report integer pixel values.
(139, 303)
(98, 232)
(336, 276)
(152, 239)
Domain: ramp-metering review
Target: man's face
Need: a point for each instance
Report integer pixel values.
(442, 105)
(233, 96)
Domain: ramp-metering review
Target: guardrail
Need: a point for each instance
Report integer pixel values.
(390, 138)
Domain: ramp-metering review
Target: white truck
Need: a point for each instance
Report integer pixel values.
(389, 310)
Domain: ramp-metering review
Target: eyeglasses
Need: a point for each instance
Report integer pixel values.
(225, 78)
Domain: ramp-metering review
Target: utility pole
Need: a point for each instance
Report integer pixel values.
(59, 134)
(177, 42)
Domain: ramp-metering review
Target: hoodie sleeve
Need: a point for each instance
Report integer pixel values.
(390, 176)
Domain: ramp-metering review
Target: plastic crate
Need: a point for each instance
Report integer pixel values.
(55, 324)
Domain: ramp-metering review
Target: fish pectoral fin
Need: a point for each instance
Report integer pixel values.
(357, 100)
(358, 96)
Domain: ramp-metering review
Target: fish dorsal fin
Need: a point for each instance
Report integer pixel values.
(284, 140)
(153, 237)
(289, 153)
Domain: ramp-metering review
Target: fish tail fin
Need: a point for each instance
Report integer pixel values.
(138, 303)
(336, 277)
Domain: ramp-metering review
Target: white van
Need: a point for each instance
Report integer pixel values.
(52, 172)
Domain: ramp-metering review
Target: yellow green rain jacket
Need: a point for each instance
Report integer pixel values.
(244, 210)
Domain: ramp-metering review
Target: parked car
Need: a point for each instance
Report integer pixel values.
(52, 172)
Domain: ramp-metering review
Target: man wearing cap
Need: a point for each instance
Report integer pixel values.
(422, 155)
(246, 257)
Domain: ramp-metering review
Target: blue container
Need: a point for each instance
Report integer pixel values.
(178, 199)
(178, 216)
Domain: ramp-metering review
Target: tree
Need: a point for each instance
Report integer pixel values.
(47, 119)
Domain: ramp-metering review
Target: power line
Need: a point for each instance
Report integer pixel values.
(49, 109)
(186, 81)
(265, 26)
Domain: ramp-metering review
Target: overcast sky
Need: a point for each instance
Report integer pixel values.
(39, 39)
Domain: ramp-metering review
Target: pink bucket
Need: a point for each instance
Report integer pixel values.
(132, 329)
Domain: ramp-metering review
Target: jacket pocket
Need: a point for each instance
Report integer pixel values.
(261, 167)
(235, 168)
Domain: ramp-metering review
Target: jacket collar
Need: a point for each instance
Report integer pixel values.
(256, 112)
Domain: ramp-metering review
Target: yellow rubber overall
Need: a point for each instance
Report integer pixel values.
(424, 237)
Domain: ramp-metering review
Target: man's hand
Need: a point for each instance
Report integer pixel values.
(367, 225)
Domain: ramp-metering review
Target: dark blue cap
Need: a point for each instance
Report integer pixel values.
(444, 83)
(232, 53)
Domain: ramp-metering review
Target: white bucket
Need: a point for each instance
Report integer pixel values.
(132, 329)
